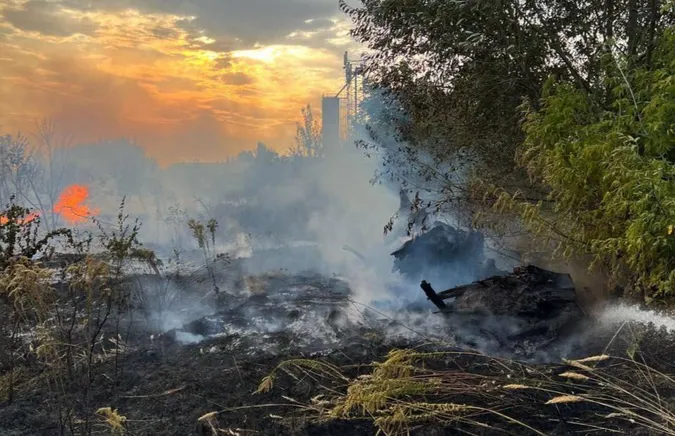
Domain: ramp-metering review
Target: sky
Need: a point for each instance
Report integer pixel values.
(188, 80)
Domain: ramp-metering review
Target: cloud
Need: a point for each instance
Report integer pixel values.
(259, 21)
(170, 74)
(165, 33)
(331, 35)
(237, 79)
(47, 18)
(249, 22)
(165, 120)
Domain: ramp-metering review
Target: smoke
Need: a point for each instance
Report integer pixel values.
(354, 217)
(619, 314)
(292, 213)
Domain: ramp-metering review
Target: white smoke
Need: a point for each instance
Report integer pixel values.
(294, 214)
(616, 315)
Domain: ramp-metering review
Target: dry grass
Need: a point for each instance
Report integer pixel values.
(26, 285)
(115, 422)
(476, 393)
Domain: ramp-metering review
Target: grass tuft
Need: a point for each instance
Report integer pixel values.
(565, 399)
(115, 422)
(466, 389)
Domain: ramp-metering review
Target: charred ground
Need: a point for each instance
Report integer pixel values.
(112, 343)
(316, 341)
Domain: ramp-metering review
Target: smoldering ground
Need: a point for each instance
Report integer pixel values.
(292, 215)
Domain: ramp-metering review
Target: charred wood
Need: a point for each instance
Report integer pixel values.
(432, 296)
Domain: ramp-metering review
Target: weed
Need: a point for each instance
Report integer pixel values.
(113, 420)
(404, 391)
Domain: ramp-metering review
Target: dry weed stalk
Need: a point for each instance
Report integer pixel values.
(113, 420)
(574, 375)
(565, 399)
(26, 285)
(312, 368)
(402, 391)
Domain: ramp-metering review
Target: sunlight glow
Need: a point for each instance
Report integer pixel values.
(152, 77)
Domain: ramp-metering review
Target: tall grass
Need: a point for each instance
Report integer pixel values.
(474, 393)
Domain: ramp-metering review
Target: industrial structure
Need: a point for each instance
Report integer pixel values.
(339, 111)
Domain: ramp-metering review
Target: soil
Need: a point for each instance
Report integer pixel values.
(215, 363)
(166, 387)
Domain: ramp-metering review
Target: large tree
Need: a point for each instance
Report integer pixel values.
(461, 68)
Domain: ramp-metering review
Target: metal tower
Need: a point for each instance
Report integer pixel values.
(351, 93)
(340, 111)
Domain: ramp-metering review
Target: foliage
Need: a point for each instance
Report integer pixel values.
(453, 76)
(25, 289)
(122, 245)
(308, 141)
(611, 170)
(264, 155)
(205, 235)
(56, 329)
(459, 70)
(20, 234)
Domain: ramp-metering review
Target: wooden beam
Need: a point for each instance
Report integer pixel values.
(431, 295)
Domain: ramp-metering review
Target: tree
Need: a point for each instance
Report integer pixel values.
(308, 141)
(460, 69)
(53, 163)
(596, 149)
(17, 168)
(263, 155)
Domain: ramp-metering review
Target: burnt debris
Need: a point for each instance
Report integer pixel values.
(444, 253)
(530, 307)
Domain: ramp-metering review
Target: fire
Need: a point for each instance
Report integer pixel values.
(71, 204)
(28, 218)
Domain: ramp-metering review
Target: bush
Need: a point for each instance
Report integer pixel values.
(610, 171)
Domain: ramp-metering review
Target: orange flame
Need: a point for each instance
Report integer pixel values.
(28, 218)
(71, 204)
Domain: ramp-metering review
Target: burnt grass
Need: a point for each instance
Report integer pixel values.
(164, 386)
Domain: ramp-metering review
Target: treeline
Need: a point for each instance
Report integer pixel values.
(558, 112)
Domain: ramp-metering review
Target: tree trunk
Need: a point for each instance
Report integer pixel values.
(609, 24)
(632, 31)
(655, 10)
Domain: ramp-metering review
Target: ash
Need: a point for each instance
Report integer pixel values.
(309, 314)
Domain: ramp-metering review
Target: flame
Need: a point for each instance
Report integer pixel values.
(71, 204)
(28, 218)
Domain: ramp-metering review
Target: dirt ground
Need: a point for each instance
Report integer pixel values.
(163, 386)
(166, 387)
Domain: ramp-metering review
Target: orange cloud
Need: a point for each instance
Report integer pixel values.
(151, 76)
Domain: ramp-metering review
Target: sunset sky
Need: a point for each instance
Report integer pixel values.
(187, 79)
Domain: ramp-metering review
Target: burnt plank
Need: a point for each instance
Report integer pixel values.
(432, 295)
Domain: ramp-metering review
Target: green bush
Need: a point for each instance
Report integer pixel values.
(610, 168)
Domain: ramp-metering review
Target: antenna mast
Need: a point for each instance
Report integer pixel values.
(351, 93)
